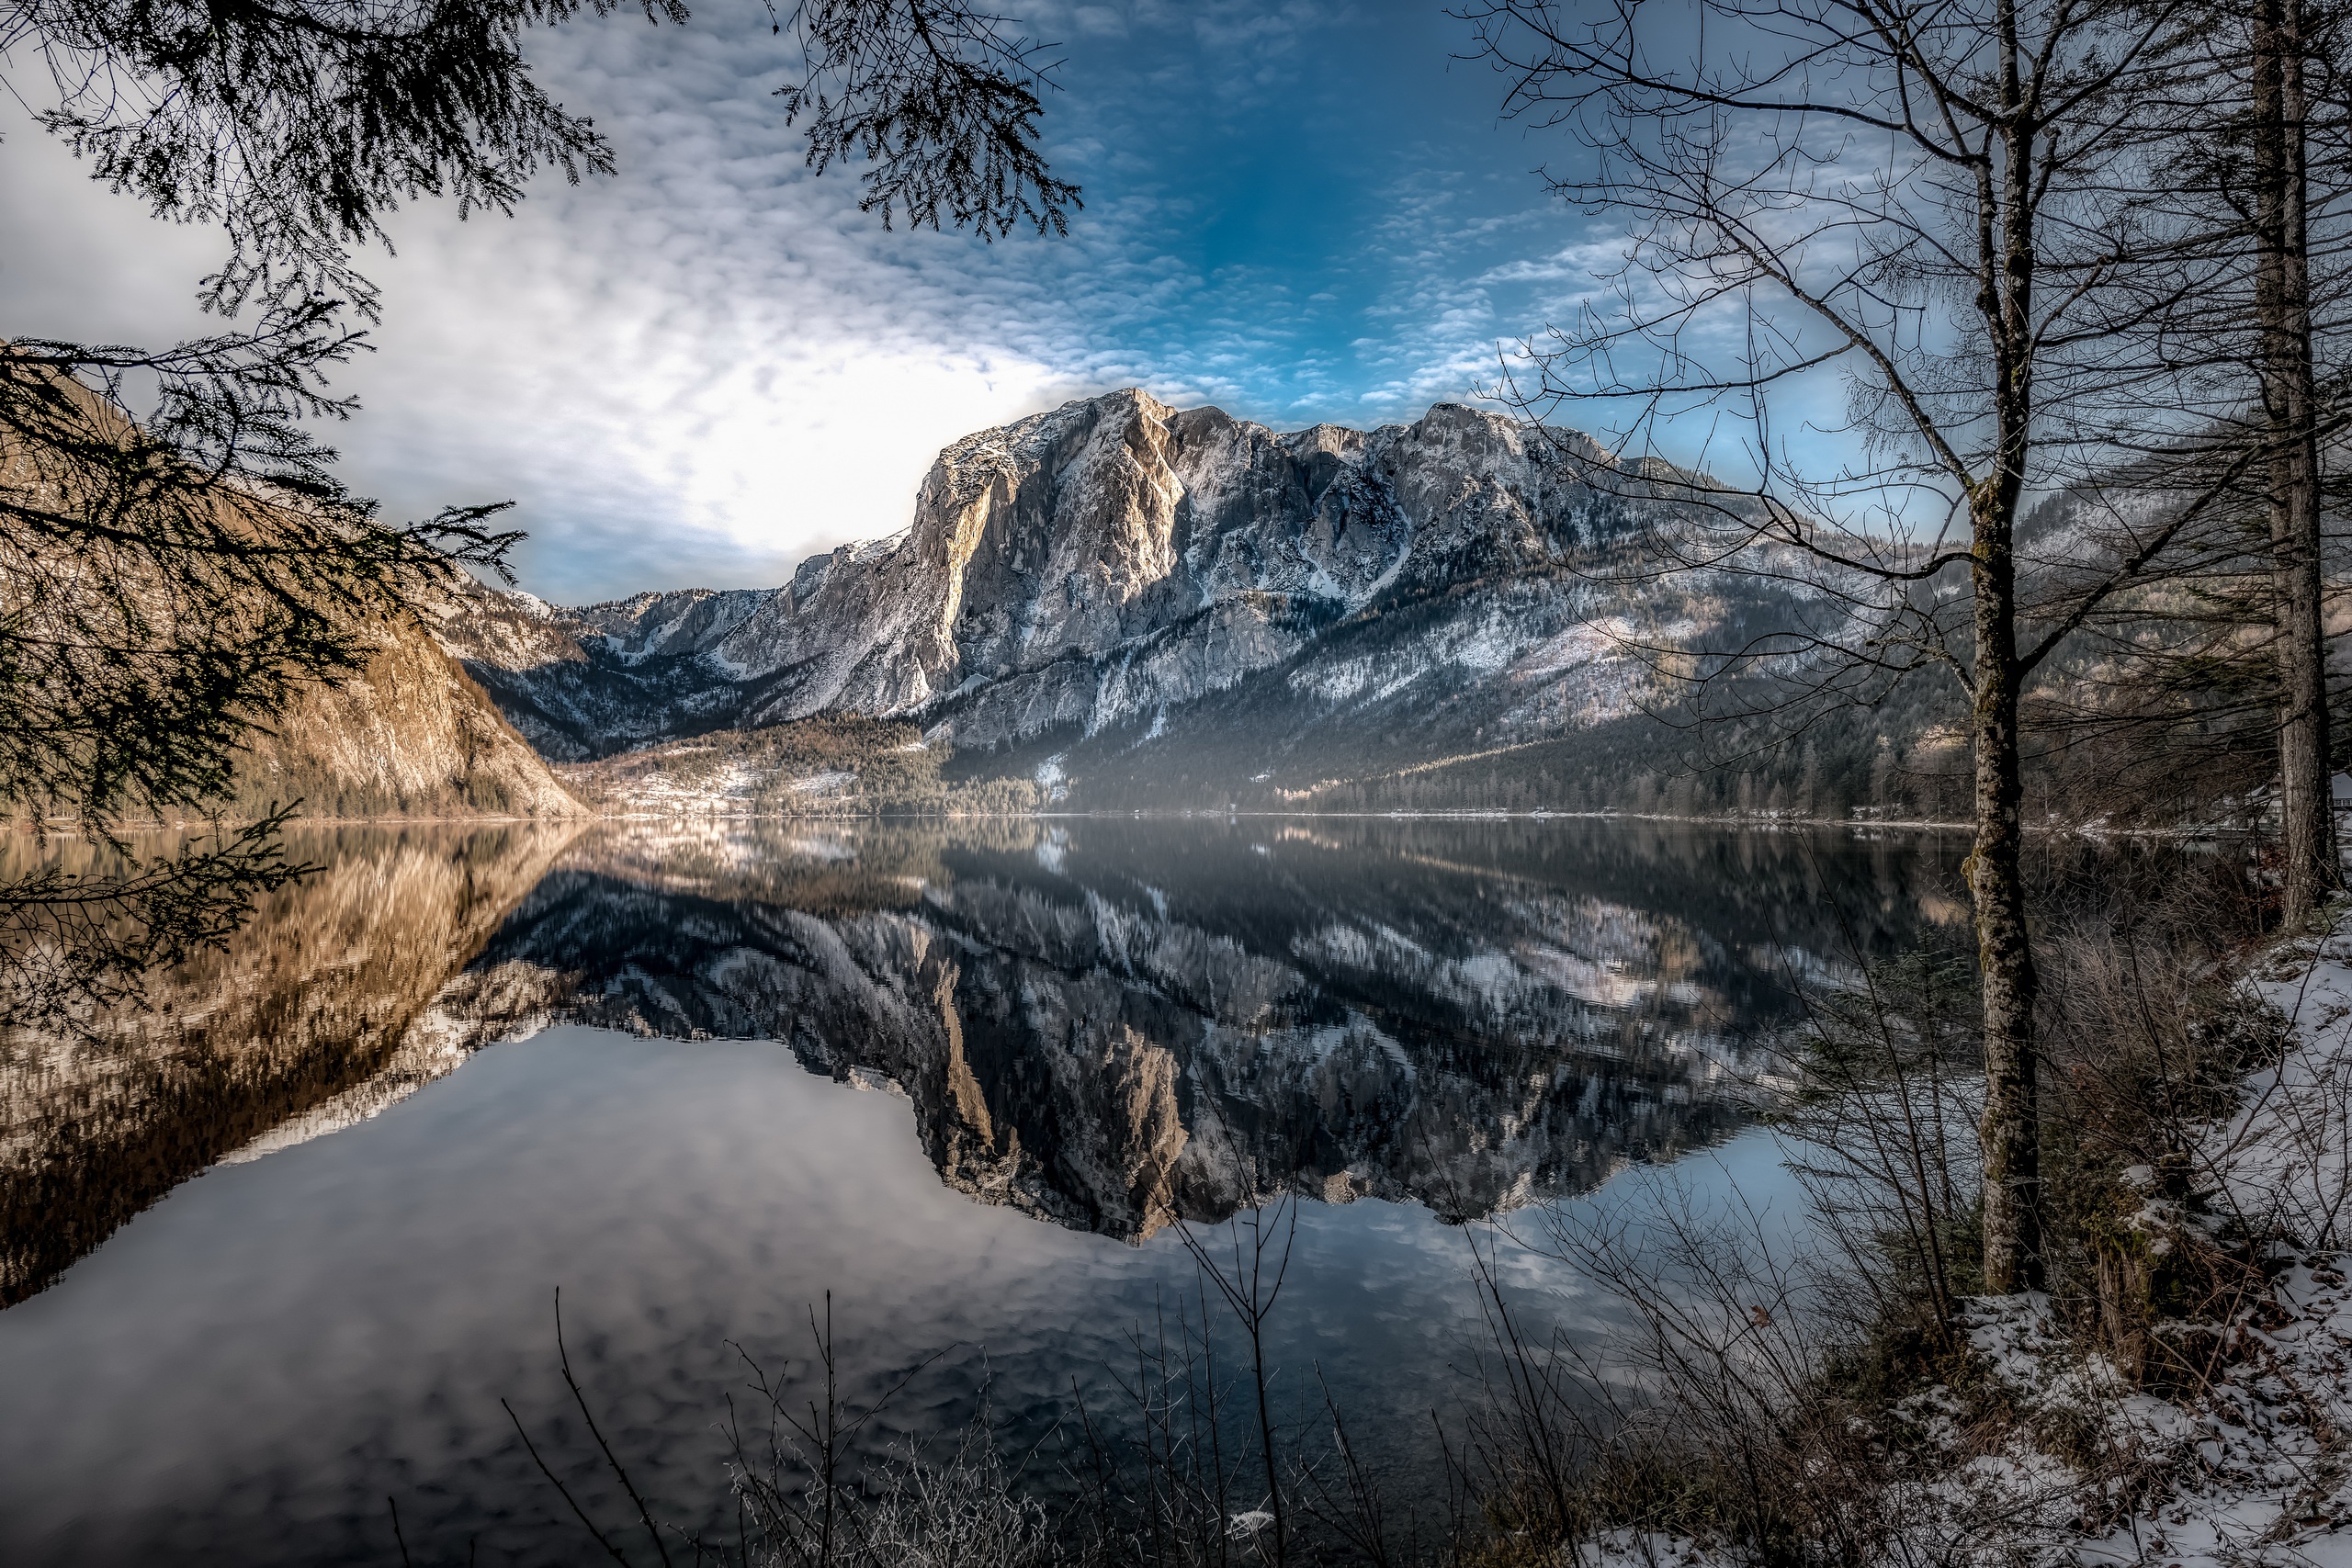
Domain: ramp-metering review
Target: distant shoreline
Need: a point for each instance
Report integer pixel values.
(1475, 815)
(1908, 825)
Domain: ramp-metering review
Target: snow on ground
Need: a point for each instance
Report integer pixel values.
(2252, 1470)
(2280, 1163)
(2247, 1473)
(1052, 779)
(2257, 1463)
(729, 788)
(825, 783)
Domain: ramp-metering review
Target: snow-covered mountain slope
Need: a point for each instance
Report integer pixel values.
(587, 682)
(1114, 569)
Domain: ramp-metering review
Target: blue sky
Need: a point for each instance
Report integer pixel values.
(701, 370)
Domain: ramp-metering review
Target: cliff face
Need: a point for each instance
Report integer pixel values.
(1106, 573)
(411, 735)
(1193, 547)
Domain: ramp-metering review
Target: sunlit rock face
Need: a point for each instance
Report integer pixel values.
(410, 734)
(323, 1009)
(1110, 564)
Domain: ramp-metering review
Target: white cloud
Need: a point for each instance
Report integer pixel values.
(696, 372)
(705, 368)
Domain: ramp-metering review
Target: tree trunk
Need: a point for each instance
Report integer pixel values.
(2290, 406)
(2009, 1132)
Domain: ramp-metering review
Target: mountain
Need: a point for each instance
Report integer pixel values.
(410, 735)
(579, 683)
(131, 601)
(1122, 598)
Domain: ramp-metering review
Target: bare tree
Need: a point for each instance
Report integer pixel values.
(1921, 204)
(1250, 1284)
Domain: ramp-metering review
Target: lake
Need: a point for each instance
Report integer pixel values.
(276, 1248)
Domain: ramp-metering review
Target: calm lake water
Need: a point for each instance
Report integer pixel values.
(277, 1250)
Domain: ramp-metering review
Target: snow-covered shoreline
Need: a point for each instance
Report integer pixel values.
(2248, 1466)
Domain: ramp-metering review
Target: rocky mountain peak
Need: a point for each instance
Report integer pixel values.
(1072, 569)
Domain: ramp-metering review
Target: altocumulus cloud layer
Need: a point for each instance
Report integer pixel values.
(701, 370)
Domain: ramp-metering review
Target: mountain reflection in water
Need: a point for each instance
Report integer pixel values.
(1112, 1025)
(1104, 1023)
(319, 1011)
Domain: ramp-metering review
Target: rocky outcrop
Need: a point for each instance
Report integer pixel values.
(1118, 565)
(410, 735)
